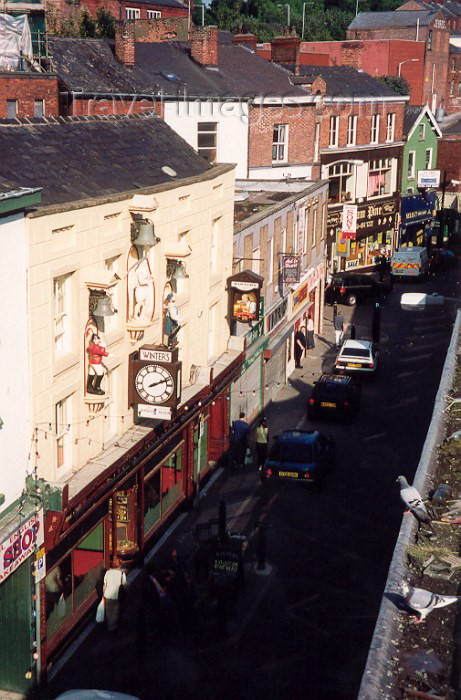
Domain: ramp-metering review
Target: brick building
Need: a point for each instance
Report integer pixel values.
(359, 128)
(27, 95)
(453, 92)
(451, 9)
(449, 162)
(228, 103)
(428, 26)
(125, 9)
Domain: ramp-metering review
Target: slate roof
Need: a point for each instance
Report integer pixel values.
(345, 81)
(449, 7)
(89, 66)
(79, 158)
(454, 128)
(411, 114)
(384, 20)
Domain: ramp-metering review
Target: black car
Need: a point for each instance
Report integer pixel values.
(304, 456)
(334, 395)
(349, 288)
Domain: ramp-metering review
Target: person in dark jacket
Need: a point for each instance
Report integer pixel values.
(240, 429)
(300, 346)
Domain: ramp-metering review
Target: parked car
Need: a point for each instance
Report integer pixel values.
(357, 357)
(349, 288)
(334, 395)
(304, 456)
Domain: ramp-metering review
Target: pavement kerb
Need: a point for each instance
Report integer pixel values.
(378, 678)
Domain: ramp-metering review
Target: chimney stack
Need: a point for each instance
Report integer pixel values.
(285, 50)
(204, 46)
(124, 42)
(249, 40)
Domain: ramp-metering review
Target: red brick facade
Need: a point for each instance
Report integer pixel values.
(301, 129)
(449, 159)
(364, 114)
(453, 92)
(25, 89)
(436, 36)
(61, 9)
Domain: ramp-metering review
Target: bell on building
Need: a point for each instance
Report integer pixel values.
(180, 272)
(146, 236)
(103, 307)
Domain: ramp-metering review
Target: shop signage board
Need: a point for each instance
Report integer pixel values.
(417, 208)
(371, 219)
(156, 412)
(291, 269)
(245, 296)
(21, 544)
(428, 178)
(277, 315)
(40, 564)
(349, 225)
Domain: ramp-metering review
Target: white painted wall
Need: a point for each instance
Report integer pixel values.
(16, 432)
(232, 121)
(281, 172)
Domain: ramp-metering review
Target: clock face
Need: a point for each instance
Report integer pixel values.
(154, 384)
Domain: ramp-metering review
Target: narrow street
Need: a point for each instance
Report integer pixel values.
(307, 632)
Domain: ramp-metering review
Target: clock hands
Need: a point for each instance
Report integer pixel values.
(162, 381)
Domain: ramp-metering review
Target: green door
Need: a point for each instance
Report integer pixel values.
(15, 630)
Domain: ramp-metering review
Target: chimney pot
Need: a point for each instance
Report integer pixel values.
(204, 46)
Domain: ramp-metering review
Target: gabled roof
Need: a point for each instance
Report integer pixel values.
(89, 66)
(450, 8)
(385, 20)
(345, 81)
(412, 117)
(75, 159)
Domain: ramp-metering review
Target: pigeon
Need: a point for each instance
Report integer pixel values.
(413, 501)
(423, 602)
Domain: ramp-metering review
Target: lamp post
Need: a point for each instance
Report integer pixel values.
(288, 11)
(357, 7)
(304, 16)
(407, 60)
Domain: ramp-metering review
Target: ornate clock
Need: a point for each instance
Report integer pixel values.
(155, 377)
(154, 384)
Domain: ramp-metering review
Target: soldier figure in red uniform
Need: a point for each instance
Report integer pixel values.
(96, 371)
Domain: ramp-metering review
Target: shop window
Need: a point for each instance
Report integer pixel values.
(171, 479)
(88, 565)
(58, 596)
(379, 177)
(341, 183)
(152, 511)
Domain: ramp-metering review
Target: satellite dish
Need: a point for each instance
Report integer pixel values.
(169, 171)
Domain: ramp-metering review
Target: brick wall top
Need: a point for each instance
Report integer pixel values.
(204, 45)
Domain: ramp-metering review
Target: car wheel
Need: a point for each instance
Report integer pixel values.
(351, 299)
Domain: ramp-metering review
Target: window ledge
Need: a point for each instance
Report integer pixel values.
(64, 362)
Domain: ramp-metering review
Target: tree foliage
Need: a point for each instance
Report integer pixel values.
(395, 83)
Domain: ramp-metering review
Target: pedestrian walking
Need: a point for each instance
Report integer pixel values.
(261, 441)
(114, 583)
(240, 429)
(339, 329)
(300, 346)
(310, 333)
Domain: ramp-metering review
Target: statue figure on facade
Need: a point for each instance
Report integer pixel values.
(172, 321)
(96, 371)
(140, 291)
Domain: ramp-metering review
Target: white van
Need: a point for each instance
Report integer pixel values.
(410, 262)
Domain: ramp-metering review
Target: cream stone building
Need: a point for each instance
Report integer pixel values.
(130, 358)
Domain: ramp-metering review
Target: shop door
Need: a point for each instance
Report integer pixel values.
(125, 526)
(15, 629)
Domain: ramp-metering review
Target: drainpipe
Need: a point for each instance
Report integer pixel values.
(417, 29)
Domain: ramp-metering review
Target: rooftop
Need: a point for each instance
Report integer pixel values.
(383, 20)
(344, 81)
(89, 66)
(76, 159)
(412, 113)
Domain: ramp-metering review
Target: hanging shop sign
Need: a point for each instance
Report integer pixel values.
(154, 378)
(21, 544)
(371, 219)
(40, 564)
(245, 296)
(428, 178)
(301, 229)
(291, 269)
(349, 226)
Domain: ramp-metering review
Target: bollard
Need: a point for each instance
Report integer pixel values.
(222, 520)
(261, 547)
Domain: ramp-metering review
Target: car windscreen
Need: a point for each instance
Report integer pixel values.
(355, 352)
(302, 454)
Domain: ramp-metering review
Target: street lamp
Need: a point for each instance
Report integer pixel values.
(288, 12)
(304, 16)
(407, 60)
(357, 7)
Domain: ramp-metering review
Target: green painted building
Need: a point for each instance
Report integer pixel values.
(420, 133)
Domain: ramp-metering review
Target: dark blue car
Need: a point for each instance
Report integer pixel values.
(299, 455)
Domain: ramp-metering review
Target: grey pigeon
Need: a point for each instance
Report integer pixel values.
(413, 501)
(423, 602)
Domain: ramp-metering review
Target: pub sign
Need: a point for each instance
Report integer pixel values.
(245, 296)
(291, 269)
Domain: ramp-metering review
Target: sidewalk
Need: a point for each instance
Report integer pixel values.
(107, 660)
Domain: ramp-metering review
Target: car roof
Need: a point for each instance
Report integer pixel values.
(335, 379)
(303, 437)
(357, 345)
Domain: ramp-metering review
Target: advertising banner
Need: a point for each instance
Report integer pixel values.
(349, 225)
(291, 269)
(428, 178)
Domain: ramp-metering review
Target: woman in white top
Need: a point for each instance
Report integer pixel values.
(114, 579)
